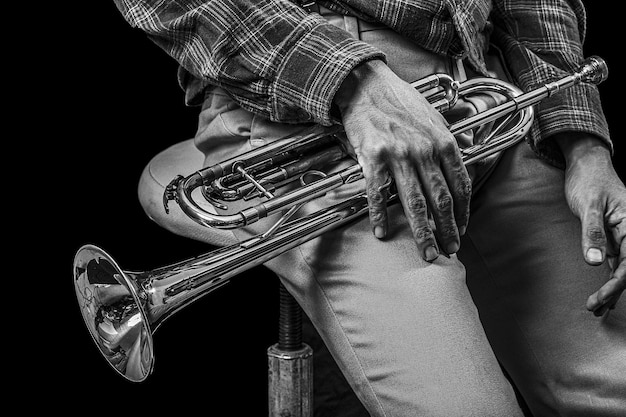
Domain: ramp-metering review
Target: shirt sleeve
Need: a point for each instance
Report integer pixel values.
(542, 41)
(273, 57)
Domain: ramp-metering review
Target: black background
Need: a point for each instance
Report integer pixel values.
(114, 103)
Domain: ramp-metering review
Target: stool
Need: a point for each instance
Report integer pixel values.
(290, 370)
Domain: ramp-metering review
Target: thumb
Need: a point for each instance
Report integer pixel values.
(593, 234)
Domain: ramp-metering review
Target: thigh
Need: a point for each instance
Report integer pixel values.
(529, 280)
(404, 332)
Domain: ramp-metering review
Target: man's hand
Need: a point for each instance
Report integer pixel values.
(396, 133)
(597, 196)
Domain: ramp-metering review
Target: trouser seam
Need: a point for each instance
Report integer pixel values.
(326, 299)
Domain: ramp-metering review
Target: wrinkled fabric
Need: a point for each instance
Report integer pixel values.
(409, 336)
(277, 60)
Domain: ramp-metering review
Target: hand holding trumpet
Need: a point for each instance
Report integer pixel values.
(395, 131)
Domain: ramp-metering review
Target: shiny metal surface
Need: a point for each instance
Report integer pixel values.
(114, 312)
(122, 309)
(513, 117)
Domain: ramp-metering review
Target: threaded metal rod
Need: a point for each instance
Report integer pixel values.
(289, 322)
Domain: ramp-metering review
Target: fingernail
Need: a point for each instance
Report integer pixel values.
(594, 255)
(380, 232)
(452, 247)
(431, 253)
(462, 230)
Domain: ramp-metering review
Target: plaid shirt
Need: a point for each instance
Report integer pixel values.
(277, 60)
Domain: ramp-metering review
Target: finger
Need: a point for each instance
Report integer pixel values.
(602, 308)
(442, 210)
(376, 177)
(416, 209)
(621, 255)
(459, 184)
(599, 306)
(608, 295)
(617, 242)
(376, 186)
(593, 235)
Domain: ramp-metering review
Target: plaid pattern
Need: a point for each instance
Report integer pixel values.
(270, 55)
(541, 41)
(448, 27)
(277, 60)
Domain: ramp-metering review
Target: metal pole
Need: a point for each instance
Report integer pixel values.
(290, 364)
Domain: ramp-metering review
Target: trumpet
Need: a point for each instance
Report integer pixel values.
(122, 309)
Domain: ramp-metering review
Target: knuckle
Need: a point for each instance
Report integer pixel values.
(596, 235)
(447, 231)
(449, 150)
(377, 216)
(416, 204)
(443, 202)
(402, 151)
(426, 150)
(374, 196)
(464, 188)
(423, 234)
(375, 151)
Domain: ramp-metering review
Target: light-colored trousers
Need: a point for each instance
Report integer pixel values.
(430, 339)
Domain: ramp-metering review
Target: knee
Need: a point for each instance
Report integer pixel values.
(156, 176)
(448, 400)
(575, 398)
(591, 386)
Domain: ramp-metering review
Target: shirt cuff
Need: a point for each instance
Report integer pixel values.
(312, 72)
(576, 108)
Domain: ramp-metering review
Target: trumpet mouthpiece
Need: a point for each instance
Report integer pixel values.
(593, 70)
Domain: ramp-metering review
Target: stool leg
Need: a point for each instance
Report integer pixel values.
(290, 364)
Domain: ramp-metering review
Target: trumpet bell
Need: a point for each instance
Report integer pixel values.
(114, 313)
(122, 309)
